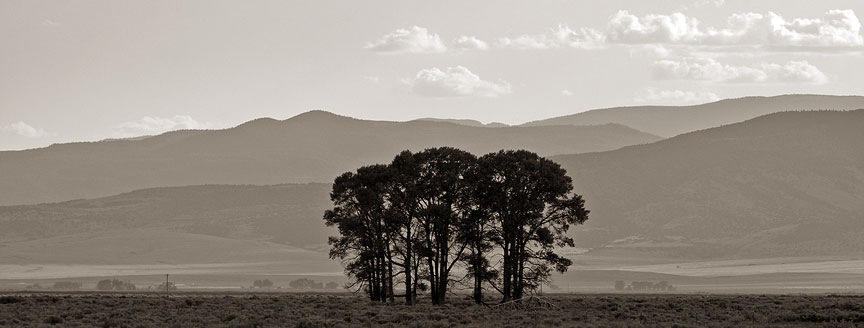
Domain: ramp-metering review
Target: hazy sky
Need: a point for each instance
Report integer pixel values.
(88, 70)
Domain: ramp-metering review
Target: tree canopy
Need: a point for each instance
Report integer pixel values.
(429, 214)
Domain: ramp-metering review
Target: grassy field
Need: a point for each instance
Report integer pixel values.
(346, 310)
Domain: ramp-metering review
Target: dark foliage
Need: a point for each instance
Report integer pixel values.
(425, 213)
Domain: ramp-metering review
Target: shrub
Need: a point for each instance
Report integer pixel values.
(53, 320)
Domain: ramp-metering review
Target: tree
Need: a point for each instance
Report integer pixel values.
(359, 213)
(114, 284)
(444, 200)
(529, 198)
(266, 283)
(104, 285)
(404, 228)
(427, 212)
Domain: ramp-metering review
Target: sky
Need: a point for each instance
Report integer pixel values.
(96, 69)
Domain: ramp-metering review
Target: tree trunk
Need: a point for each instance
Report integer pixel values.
(390, 281)
(478, 275)
(409, 299)
(443, 274)
(507, 272)
(376, 286)
(518, 272)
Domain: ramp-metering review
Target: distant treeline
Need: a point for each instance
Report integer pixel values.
(114, 284)
(498, 217)
(644, 286)
(302, 283)
(67, 285)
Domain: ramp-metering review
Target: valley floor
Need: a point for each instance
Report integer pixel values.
(347, 310)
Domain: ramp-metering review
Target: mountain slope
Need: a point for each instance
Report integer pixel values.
(669, 121)
(465, 122)
(207, 229)
(311, 147)
(781, 184)
(288, 214)
(785, 184)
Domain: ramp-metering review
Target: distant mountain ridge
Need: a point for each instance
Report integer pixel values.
(311, 147)
(784, 184)
(287, 213)
(667, 121)
(781, 184)
(465, 122)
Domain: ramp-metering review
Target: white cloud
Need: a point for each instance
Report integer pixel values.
(470, 43)
(148, 125)
(674, 97)
(650, 50)
(708, 69)
(701, 3)
(414, 39)
(25, 130)
(677, 27)
(567, 93)
(836, 29)
(455, 82)
(562, 36)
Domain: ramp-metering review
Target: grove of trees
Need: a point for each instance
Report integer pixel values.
(443, 216)
(67, 285)
(114, 284)
(265, 283)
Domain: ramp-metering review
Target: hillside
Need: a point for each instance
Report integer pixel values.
(311, 147)
(668, 121)
(289, 214)
(210, 229)
(781, 184)
(465, 122)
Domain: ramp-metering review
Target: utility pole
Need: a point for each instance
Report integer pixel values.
(166, 283)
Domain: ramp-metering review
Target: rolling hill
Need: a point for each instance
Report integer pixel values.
(208, 229)
(668, 121)
(465, 122)
(311, 147)
(782, 184)
(288, 214)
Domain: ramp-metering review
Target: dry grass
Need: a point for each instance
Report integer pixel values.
(323, 310)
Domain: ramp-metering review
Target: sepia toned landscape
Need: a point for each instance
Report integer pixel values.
(198, 164)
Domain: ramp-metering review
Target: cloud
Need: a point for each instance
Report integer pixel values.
(627, 28)
(561, 36)
(414, 39)
(708, 69)
(148, 125)
(455, 82)
(25, 130)
(567, 93)
(650, 50)
(674, 97)
(470, 43)
(836, 29)
(701, 3)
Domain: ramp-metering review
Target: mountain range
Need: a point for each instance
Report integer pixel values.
(312, 147)
(668, 121)
(778, 185)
